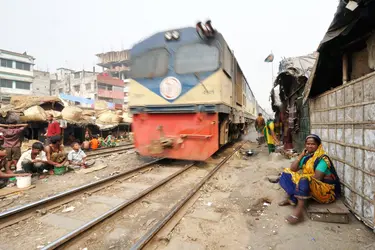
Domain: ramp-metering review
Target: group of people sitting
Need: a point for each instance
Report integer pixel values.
(42, 159)
(93, 142)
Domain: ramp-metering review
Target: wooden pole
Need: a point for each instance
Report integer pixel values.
(344, 68)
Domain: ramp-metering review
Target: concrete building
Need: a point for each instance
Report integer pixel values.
(41, 84)
(117, 65)
(88, 85)
(77, 83)
(16, 74)
(111, 89)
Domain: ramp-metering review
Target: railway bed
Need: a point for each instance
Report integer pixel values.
(108, 151)
(120, 202)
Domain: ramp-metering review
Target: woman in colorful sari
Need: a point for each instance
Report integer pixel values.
(270, 137)
(312, 175)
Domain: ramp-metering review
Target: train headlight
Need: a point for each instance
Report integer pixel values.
(168, 35)
(176, 34)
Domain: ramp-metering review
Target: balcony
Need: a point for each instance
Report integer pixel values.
(110, 94)
(110, 80)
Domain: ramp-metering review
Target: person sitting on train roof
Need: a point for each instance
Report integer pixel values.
(77, 158)
(270, 136)
(55, 152)
(34, 160)
(4, 177)
(312, 175)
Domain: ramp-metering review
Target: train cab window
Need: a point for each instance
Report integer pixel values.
(153, 63)
(195, 58)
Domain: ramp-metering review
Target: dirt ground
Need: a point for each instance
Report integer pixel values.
(238, 210)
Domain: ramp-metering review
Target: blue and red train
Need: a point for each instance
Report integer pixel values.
(188, 95)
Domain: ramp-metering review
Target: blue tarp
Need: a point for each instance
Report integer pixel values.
(76, 99)
(83, 100)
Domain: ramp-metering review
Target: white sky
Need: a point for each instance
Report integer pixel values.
(69, 33)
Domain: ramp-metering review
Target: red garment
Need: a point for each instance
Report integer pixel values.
(12, 137)
(53, 129)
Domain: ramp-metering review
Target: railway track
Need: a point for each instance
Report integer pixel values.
(123, 196)
(108, 151)
(17, 214)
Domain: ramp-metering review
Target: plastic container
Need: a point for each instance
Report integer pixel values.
(23, 181)
(59, 170)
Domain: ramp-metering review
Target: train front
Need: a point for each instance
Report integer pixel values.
(172, 95)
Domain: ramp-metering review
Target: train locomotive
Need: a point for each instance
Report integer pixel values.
(187, 94)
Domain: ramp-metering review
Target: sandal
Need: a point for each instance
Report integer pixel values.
(292, 219)
(286, 203)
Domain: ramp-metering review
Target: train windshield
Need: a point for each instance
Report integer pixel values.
(153, 63)
(194, 58)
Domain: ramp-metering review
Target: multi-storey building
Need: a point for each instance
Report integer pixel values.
(111, 89)
(116, 64)
(16, 74)
(41, 85)
(76, 83)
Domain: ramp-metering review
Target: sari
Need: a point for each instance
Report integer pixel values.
(268, 136)
(303, 185)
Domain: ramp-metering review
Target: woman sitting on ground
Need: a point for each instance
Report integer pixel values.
(312, 175)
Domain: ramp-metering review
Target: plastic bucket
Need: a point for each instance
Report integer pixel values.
(59, 170)
(23, 181)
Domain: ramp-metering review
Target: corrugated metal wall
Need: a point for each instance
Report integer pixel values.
(345, 120)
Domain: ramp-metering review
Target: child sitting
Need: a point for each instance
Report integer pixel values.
(94, 143)
(77, 158)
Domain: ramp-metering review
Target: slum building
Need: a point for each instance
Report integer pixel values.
(341, 96)
(291, 114)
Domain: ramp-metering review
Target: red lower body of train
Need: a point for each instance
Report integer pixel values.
(188, 136)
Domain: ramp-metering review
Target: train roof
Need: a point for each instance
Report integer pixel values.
(187, 35)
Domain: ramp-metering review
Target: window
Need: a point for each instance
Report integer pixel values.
(6, 63)
(150, 64)
(117, 88)
(88, 86)
(117, 101)
(77, 75)
(194, 58)
(61, 90)
(23, 85)
(105, 86)
(77, 88)
(5, 83)
(23, 66)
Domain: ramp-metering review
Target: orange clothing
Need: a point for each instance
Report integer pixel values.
(94, 143)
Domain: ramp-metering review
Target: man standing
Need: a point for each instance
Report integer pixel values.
(12, 143)
(52, 130)
(259, 126)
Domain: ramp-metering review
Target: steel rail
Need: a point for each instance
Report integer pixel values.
(158, 226)
(109, 150)
(25, 208)
(59, 242)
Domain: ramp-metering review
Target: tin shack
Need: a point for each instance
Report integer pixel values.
(287, 97)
